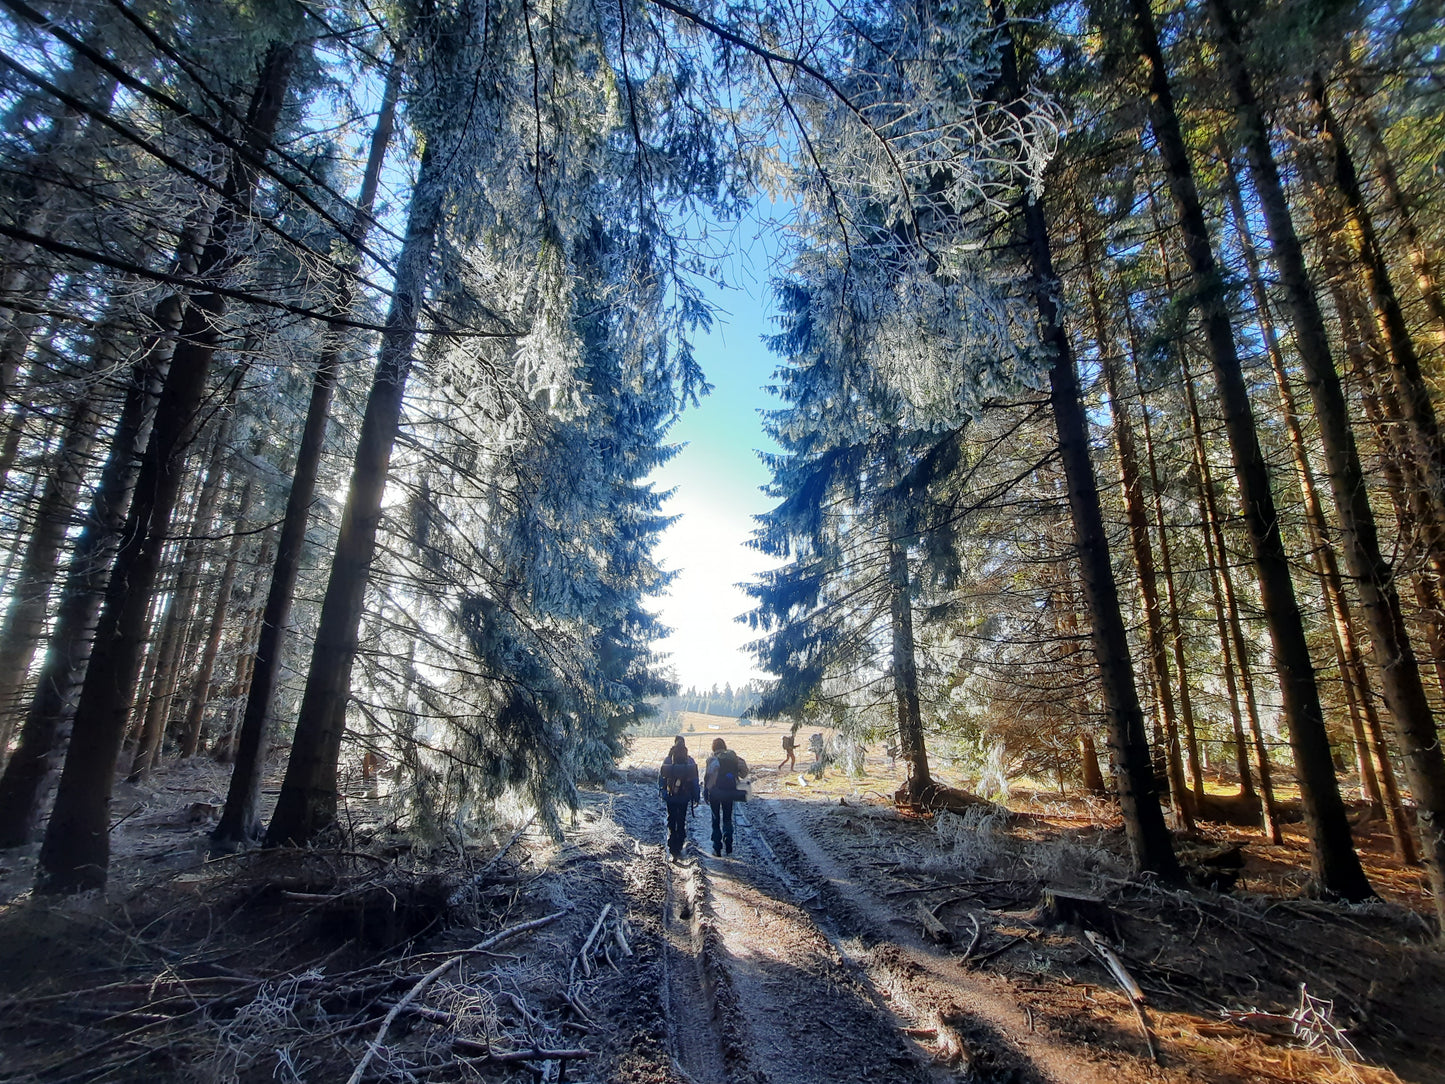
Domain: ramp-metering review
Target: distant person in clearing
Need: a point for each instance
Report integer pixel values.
(790, 739)
(720, 788)
(677, 783)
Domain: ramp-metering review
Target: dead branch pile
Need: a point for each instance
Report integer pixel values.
(331, 982)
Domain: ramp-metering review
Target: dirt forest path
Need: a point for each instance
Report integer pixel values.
(777, 967)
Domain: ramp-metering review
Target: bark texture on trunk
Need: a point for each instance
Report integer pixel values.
(176, 622)
(240, 818)
(905, 669)
(45, 732)
(1427, 278)
(76, 851)
(1215, 544)
(307, 804)
(1143, 550)
(1400, 681)
(1373, 268)
(1144, 825)
(1335, 864)
(1353, 676)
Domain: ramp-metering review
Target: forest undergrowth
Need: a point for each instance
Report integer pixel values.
(520, 957)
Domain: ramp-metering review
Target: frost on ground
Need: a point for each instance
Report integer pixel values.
(841, 941)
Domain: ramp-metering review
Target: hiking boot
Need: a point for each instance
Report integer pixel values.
(717, 849)
(729, 846)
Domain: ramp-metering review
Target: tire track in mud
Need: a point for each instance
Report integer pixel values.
(920, 982)
(805, 1014)
(754, 991)
(672, 893)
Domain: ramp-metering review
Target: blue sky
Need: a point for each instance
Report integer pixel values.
(716, 478)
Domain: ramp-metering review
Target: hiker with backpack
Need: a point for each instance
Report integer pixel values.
(677, 782)
(789, 741)
(722, 786)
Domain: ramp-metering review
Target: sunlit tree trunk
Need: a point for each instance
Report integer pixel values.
(307, 803)
(1335, 863)
(905, 668)
(1400, 675)
(1214, 560)
(1171, 598)
(1414, 393)
(1143, 557)
(1214, 538)
(1427, 278)
(1353, 676)
(240, 818)
(1144, 825)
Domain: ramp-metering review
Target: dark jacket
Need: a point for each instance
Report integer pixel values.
(677, 782)
(711, 779)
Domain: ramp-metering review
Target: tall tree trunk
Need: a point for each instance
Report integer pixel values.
(1335, 864)
(1215, 561)
(1089, 757)
(1143, 557)
(1414, 393)
(307, 803)
(1234, 653)
(25, 620)
(1427, 278)
(76, 851)
(1214, 537)
(179, 609)
(240, 818)
(1400, 675)
(905, 667)
(201, 690)
(15, 343)
(245, 672)
(1353, 676)
(1171, 598)
(41, 188)
(45, 731)
(1144, 825)
(1382, 408)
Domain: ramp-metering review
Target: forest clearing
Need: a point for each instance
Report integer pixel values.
(354, 356)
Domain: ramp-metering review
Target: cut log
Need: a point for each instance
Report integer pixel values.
(937, 798)
(1059, 907)
(1219, 868)
(933, 929)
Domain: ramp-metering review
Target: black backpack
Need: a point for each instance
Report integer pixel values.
(726, 785)
(680, 778)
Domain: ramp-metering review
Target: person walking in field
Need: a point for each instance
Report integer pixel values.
(790, 739)
(677, 782)
(721, 788)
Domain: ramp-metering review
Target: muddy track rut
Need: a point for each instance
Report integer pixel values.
(773, 967)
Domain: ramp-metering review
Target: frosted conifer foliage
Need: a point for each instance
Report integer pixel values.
(515, 586)
(910, 163)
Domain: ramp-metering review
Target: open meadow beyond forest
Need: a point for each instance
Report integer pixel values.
(722, 541)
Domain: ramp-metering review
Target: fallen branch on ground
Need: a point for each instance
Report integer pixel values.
(436, 973)
(1126, 983)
